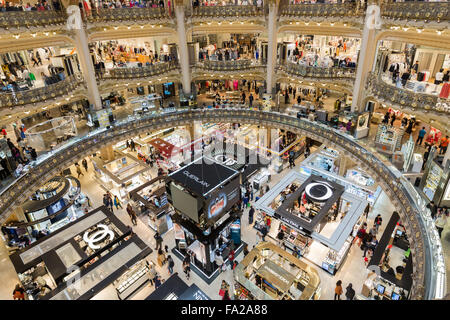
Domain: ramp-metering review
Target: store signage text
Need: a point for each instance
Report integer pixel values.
(195, 178)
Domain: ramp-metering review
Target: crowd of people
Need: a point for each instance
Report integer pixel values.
(40, 5)
(230, 50)
(202, 3)
(335, 56)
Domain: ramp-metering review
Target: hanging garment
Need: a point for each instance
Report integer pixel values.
(445, 91)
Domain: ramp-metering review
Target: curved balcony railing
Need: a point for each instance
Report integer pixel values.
(58, 89)
(226, 11)
(140, 72)
(31, 19)
(128, 14)
(428, 261)
(318, 72)
(322, 10)
(230, 65)
(429, 11)
(401, 97)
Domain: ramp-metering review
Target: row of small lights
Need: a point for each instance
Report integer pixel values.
(17, 36)
(311, 83)
(220, 23)
(138, 84)
(318, 23)
(439, 32)
(142, 27)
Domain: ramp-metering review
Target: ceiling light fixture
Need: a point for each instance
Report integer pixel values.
(115, 28)
(306, 23)
(419, 30)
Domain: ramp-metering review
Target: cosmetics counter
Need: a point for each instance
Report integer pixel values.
(55, 204)
(435, 182)
(151, 205)
(388, 139)
(357, 182)
(270, 273)
(121, 175)
(132, 279)
(46, 266)
(393, 260)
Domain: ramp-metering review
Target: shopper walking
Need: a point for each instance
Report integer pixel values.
(350, 292)
(443, 145)
(338, 290)
(117, 203)
(360, 234)
(158, 281)
(85, 164)
(422, 134)
(132, 214)
(440, 223)
(377, 222)
(187, 266)
(224, 287)
(250, 99)
(151, 273)
(79, 170)
(433, 209)
(161, 258)
(280, 237)
(170, 264)
(133, 145)
(251, 213)
(159, 240)
(18, 293)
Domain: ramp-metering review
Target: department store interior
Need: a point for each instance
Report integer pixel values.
(225, 150)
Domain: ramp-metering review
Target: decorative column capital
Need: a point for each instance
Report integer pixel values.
(179, 3)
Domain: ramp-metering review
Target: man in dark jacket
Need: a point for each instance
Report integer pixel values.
(350, 293)
(251, 212)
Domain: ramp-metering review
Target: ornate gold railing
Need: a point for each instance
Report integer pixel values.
(322, 10)
(64, 87)
(415, 217)
(429, 11)
(400, 97)
(241, 64)
(128, 14)
(31, 19)
(226, 11)
(318, 72)
(141, 72)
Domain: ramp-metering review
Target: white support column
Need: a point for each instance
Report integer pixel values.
(272, 44)
(182, 45)
(367, 54)
(74, 23)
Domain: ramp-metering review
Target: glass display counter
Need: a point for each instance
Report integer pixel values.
(132, 279)
(432, 180)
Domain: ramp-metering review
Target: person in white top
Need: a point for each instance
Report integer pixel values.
(439, 76)
(440, 222)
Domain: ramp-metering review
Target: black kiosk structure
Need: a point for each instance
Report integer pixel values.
(311, 205)
(205, 194)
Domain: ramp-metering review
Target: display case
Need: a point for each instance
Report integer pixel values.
(388, 138)
(334, 259)
(132, 279)
(432, 180)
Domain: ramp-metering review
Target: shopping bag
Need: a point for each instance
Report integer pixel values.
(221, 292)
